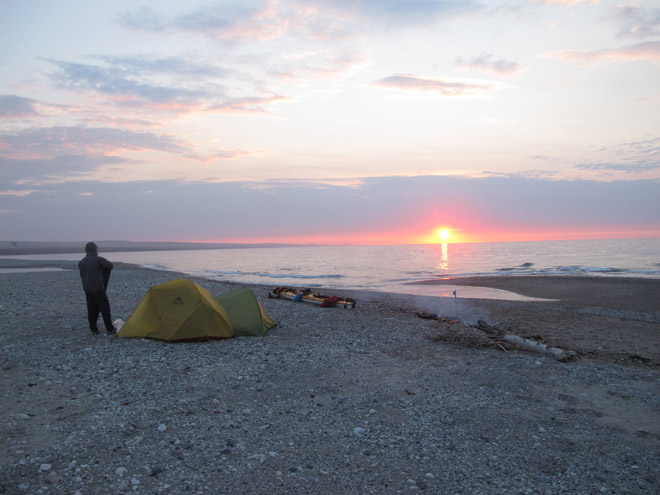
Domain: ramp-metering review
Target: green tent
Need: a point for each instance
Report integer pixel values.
(247, 315)
(178, 310)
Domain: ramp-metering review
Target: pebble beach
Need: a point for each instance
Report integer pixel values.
(371, 400)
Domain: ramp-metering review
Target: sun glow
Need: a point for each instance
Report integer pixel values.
(444, 235)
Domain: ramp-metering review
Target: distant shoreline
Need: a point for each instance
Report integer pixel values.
(9, 248)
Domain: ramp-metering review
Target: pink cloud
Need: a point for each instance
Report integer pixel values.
(21, 193)
(251, 104)
(648, 50)
(409, 82)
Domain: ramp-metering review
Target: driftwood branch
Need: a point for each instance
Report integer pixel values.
(496, 334)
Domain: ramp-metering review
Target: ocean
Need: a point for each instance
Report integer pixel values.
(393, 268)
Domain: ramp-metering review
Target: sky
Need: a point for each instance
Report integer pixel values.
(329, 121)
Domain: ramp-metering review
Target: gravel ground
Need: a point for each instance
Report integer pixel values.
(370, 400)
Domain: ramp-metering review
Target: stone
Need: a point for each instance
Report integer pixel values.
(45, 467)
(162, 428)
(52, 477)
(358, 432)
(156, 470)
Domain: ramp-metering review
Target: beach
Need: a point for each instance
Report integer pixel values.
(368, 400)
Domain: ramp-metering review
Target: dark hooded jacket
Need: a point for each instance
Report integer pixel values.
(91, 269)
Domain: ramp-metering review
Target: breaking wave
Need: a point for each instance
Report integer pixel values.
(221, 273)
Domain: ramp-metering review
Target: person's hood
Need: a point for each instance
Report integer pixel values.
(91, 248)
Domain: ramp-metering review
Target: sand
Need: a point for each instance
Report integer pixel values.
(370, 400)
(615, 319)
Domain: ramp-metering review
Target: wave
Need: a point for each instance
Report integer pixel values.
(272, 275)
(524, 266)
(528, 269)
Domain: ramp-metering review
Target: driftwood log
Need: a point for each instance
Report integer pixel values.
(498, 334)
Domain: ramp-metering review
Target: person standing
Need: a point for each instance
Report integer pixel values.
(95, 273)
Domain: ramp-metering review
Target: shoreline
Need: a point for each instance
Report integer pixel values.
(638, 294)
(616, 291)
(562, 310)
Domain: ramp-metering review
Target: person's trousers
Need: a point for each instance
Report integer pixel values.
(97, 302)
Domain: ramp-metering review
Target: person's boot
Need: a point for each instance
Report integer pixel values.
(111, 330)
(95, 331)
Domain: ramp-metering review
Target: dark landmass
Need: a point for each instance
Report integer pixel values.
(9, 248)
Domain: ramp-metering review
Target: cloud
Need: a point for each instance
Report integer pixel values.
(21, 192)
(638, 22)
(48, 141)
(648, 50)
(443, 87)
(261, 21)
(392, 13)
(70, 153)
(166, 84)
(635, 157)
(17, 107)
(569, 2)
(374, 205)
(247, 104)
(13, 107)
(636, 167)
(317, 19)
(125, 84)
(304, 39)
(181, 67)
(486, 63)
(37, 170)
(142, 19)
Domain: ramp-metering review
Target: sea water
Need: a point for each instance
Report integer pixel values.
(394, 268)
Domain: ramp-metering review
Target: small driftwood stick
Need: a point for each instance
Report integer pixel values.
(531, 345)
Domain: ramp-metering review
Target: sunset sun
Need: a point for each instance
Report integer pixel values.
(443, 235)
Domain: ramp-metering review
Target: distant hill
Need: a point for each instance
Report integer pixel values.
(8, 248)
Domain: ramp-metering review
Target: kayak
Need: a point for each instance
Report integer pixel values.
(306, 295)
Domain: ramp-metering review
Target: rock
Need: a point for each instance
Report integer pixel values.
(121, 471)
(162, 428)
(45, 467)
(156, 470)
(52, 477)
(22, 416)
(358, 432)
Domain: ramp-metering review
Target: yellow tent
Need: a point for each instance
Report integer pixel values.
(178, 310)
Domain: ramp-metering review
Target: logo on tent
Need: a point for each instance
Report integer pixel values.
(177, 300)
